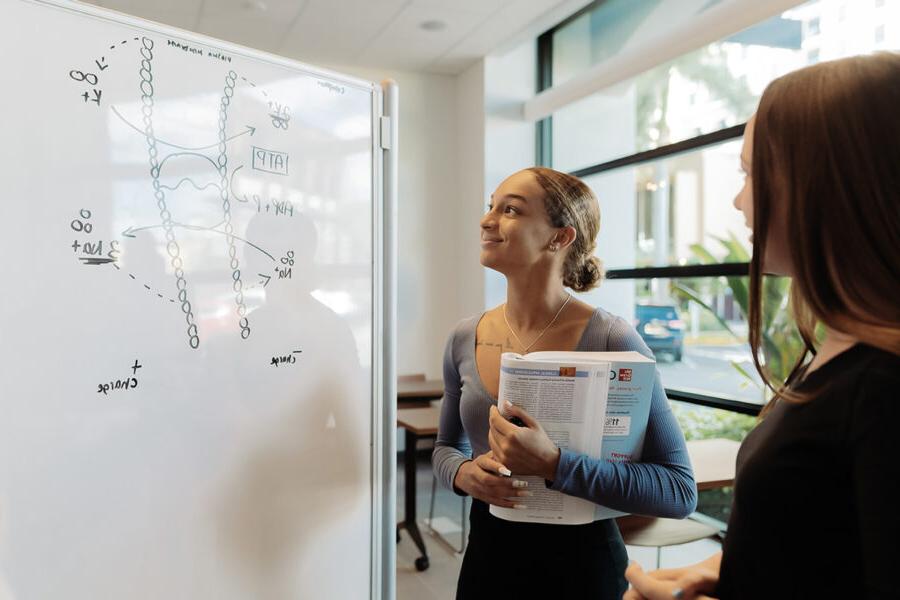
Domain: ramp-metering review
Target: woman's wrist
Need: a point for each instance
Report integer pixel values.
(459, 477)
(552, 465)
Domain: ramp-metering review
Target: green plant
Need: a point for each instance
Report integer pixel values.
(701, 422)
(780, 339)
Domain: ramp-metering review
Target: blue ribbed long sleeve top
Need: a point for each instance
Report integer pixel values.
(661, 484)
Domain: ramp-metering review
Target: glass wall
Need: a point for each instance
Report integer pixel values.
(674, 206)
(704, 91)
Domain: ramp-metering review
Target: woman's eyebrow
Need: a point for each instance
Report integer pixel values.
(517, 197)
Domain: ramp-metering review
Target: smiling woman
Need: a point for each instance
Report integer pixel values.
(540, 232)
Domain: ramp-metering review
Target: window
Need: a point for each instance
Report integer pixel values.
(661, 151)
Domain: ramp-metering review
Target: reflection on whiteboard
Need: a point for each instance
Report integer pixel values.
(187, 352)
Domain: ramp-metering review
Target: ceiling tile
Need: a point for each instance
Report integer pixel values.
(482, 7)
(495, 30)
(404, 38)
(244, 22)
(338, 30)
(380, 33)
(176, 13)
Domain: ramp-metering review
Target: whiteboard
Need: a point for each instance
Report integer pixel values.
(191, 341)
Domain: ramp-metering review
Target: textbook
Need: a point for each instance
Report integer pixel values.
(593, 403)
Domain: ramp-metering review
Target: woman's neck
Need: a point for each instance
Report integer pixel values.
(532, 301)
(833, 344)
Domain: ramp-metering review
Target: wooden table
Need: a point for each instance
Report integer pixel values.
(418, 393)
(419, 423)
(714, 462)
(714, 467)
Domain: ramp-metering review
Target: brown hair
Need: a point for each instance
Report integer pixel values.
(826, 147)
(571, 203)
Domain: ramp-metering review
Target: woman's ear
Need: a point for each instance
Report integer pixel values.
(564, 237)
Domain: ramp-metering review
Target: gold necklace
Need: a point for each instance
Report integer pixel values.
(543, 331)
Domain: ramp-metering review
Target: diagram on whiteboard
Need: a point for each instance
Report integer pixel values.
(193, 187)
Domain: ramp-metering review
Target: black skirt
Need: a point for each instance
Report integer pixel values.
(505, 559)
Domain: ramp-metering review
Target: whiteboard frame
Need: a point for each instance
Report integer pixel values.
(382, 467)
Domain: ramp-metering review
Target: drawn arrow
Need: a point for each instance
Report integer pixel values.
(130, 231)
(264, 277)
(249, 129)
(92, 260)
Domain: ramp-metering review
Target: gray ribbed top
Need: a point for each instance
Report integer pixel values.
(662, 484)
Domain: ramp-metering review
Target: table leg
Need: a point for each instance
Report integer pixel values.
(409, 518)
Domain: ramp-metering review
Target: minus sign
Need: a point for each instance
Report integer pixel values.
(113, 47)
(297, 352)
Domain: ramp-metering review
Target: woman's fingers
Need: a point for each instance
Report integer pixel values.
(668, 574)
(696, 581)
(692, 581)
(494, 487)
(486, 462)
(499, 424)
(513, 410)
(646, 585)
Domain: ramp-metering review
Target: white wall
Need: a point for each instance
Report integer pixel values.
(509, 140)
(473, 192)
(441, 186)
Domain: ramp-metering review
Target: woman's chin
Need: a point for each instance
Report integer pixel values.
(489, 262)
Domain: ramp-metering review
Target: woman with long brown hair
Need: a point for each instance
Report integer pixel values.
(540, 232)
(816, 498)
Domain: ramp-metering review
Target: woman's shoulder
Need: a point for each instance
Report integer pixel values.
(607, 332)
(463, 334)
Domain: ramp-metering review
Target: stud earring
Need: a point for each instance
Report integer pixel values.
(553, 247)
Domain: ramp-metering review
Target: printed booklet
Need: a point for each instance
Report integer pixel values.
(594, 403)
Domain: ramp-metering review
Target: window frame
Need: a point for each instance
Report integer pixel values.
(544, 157)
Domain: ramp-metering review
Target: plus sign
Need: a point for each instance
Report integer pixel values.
(76, 245)
(135, 367)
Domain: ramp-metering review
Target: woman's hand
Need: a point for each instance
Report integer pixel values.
(525, 450)
(686, 583)
(488, 480)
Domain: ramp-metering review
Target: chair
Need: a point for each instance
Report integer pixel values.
(658, 532)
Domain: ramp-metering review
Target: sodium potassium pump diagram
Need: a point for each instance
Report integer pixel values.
(198, 168)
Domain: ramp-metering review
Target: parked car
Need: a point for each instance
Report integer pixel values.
(661, 328)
